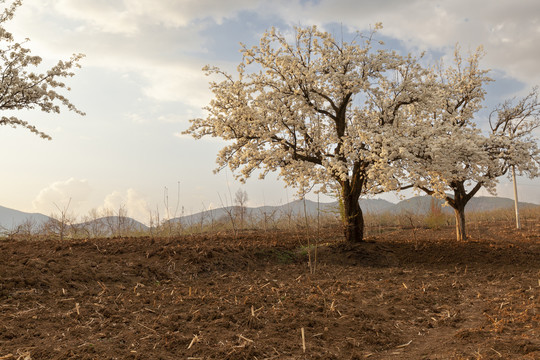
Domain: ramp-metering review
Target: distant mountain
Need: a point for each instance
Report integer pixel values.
(110, 226)
(10, 218)
(294, 209)
(376, 206)
(487, 203)
(422, 204)
(417, 205)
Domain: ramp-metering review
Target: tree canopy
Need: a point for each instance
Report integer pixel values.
(319, 110)
(21, 87)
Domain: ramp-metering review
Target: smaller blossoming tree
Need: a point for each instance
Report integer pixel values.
(22, 88)
(453, 159)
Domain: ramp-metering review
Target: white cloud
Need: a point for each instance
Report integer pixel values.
(134, 203)
(74, 192)
(177, 118)
(152, 37)
(132, 17)
(182, 82)
(103, 15)
(509, 31)
(132, 37)
(135, 118)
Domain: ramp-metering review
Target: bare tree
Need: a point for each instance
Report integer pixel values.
(154, 222)
(94, 224)
(110, 222)
(26, 229)
(59, 223)
(269, 216)
(241, 199)
(229, 210)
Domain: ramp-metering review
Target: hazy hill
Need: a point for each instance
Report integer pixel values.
(293, 209)
(10, 218)
(107, 226)
(486, 203)
(417, 205)
(111, 225)
(422, 204)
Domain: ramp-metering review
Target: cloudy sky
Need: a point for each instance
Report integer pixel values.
(141, 82)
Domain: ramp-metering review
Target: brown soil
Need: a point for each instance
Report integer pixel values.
(408, 294)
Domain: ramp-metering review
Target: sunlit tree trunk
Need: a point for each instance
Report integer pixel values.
(461, 233)
(353, 219)
(458, 203)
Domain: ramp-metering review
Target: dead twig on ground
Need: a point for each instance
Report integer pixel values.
(193, 341)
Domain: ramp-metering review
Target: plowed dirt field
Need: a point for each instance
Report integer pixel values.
(406, 294)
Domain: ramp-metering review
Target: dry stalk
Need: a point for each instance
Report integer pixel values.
(23, 355)
(138, 285)
(414, 231)
(148, 328)
(103, 287)
(193, 341)
(308, 237)
(318, 238)
(253, 321)
(404, 345)
(303, 340)
(62, 300)
(498, 353)
(245, 338)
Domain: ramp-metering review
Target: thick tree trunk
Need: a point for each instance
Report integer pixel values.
(461, 198)
(458, 203)
(353, 219)
(459, 211)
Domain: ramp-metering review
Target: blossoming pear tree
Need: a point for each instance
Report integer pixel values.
(454, 159)
(324, 112)
(22, 88)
